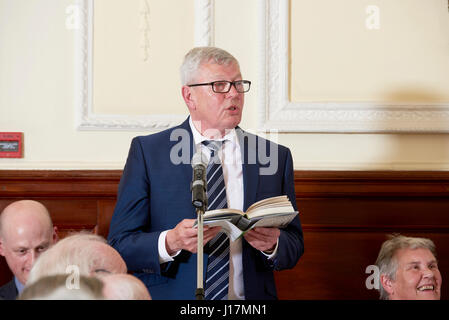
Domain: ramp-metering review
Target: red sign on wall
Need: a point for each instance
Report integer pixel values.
(11, 144)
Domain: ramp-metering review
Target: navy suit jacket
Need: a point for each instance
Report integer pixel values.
(154, 195)
(9, 291)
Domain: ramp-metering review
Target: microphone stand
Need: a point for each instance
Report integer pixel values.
(199, 293)
(199, 201)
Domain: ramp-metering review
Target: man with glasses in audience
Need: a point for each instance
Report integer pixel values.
(152, 225)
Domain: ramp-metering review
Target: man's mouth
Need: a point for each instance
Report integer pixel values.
(427, 287)
(232, 108)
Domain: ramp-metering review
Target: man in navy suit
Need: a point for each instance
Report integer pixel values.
(152, 223)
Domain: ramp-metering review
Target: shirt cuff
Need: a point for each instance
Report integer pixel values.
(163, 254)
(272, 255)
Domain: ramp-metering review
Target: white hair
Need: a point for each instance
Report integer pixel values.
(199, 55)
(55, 288)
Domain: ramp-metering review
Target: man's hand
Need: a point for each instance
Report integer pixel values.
(263, 239)
(183, 236)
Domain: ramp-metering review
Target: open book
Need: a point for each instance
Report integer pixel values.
(271, 212)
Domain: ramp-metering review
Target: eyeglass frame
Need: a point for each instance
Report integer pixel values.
(232, 83)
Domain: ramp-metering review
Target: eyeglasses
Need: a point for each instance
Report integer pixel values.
(223, 86)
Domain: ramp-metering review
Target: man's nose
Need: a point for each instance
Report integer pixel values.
(233, 91)
(32, 256)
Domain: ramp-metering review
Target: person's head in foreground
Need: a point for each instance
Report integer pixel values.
(63, 287)
(83, 253)
(408, 269)
(124, 287)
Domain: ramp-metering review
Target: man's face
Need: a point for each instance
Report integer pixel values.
(417, 276)
(210, 110)
(22, 244)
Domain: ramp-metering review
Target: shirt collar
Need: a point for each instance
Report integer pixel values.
(198, 138)
(19, 285)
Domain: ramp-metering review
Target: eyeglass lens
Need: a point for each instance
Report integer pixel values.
(225, 86)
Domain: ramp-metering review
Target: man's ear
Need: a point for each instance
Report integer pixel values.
(2, 250)
(188, 98)
(55, 235)
(387, 284)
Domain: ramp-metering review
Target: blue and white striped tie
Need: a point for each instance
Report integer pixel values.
(217, 274)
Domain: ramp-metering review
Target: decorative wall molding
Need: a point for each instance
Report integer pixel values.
(204, 22)
(277, 112)
(86, 119)
(145, 29)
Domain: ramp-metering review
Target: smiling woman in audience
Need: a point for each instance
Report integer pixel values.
(409, 269)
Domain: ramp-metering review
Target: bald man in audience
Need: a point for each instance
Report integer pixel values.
(78, 254)
(26, 231)
(124, 287)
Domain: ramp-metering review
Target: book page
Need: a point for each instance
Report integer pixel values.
(230, 229)
(268, 201)
(270, 211)
(278, 221)
(225, 212)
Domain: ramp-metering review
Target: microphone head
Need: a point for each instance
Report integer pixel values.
(199, 159)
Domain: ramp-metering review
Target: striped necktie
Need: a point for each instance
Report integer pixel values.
(217, 274)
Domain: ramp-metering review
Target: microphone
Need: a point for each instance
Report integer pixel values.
(199, 182)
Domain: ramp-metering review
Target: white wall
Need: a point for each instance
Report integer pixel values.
(37, 97)
(37, 91)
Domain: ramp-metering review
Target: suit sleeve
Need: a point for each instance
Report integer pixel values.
(131, 220)
(291, 241)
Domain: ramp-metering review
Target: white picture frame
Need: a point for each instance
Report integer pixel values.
(277, 112)
(86, 118)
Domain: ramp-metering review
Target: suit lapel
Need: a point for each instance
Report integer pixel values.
(191, 148)
(187, 167)
(250, 166)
